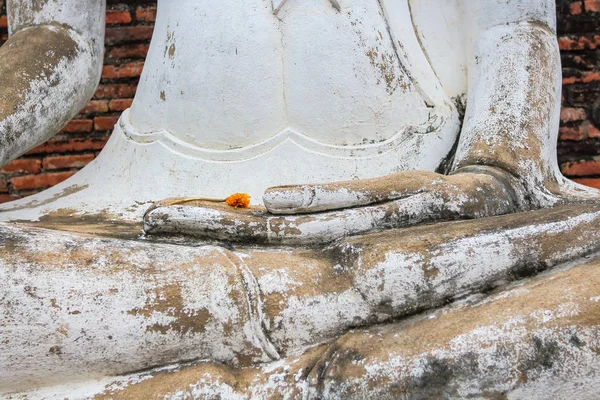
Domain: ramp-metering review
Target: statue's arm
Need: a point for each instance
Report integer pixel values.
(49, 68)
(514, 91)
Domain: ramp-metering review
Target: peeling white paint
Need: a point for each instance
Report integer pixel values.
(311, 93)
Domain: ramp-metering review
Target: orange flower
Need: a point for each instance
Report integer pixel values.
(238, 200)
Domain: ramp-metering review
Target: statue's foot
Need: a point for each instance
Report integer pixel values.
(330, 211)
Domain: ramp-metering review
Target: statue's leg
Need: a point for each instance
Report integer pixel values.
(314, 295)
(538, 339)
(76, 307)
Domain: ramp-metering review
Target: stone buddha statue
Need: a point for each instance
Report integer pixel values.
(401, 159)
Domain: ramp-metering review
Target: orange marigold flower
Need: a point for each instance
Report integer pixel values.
(238, 200)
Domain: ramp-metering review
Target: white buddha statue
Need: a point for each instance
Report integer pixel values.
(242, 97)
(364, 106)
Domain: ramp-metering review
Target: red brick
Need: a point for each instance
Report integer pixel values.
(593, 132)
(29, 165)
(40, 181)
(585, 77)
(78, 125)
(3, 185)
(575, 8)
(581, 168)
(114, 17)
(105, 123)
(129, 70)
(95, 106)
(590, 76)
(586, 42)
(568, 114)
(64, 162)
(568, 133)
(5, 198)
(3, 22)
(592, 182)
(115, 91)
(120, 104)
(129, 51)
(592, 5)
(70, 145)
(145, 14)
(126, 34)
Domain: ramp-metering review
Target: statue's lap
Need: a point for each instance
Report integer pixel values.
(137, 304)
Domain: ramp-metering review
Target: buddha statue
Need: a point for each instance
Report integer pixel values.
(410, 234)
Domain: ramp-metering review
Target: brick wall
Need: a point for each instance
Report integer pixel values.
(129, 28)
(579, 41)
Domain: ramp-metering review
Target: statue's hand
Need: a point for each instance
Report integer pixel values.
(313, 214)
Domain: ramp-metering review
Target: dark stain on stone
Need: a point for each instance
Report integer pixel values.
(545, 353)
(227, 246)
(526, 268)
(35, 203)
(437, 375)
(575, 341)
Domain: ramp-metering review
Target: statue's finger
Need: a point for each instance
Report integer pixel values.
(300, 199)
(206, 223)
(333, 225)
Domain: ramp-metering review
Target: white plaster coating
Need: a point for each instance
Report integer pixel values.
(411, 208)
(506, 354)
(105, 183)
(85, 17)
(44, 94)
(277, 281)
(165, 129)
(294, 91)
(115, 314)
(255, 307)
(486, 343)
(268, 71)
(182, 143)
(77, 299)
(501, 64)
(394, 144)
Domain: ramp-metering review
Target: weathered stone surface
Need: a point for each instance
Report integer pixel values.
(322, 92)
(130, 305)
(537, 339)
(126, 305)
